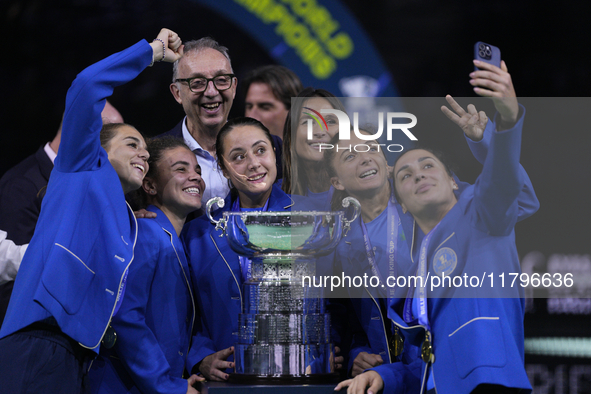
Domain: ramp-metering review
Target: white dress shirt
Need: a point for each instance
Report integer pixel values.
(10, 258)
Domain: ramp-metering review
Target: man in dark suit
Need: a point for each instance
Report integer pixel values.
(22, 189)
(205, 85)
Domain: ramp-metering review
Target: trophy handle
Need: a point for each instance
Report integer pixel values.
(356, 211)
(219, 224)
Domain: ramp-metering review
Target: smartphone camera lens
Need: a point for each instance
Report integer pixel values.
(484, 51)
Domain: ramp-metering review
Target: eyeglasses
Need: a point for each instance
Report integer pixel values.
(199, 84)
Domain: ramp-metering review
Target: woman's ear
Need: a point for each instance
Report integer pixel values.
(404, 210)
(149, 186)
(336, 183)
(454, 185)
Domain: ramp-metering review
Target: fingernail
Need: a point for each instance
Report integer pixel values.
(475, 62)
(472, 74)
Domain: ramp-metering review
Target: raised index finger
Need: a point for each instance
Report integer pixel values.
(454, 105)
(450, 114)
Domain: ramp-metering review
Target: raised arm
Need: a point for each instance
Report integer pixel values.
(498, 186)
(494, 82)
(86, 98)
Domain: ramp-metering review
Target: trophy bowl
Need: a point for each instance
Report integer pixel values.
(284, 329)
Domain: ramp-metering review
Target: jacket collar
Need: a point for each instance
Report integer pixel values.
(161, 219)
(167, 226)
(278, 201)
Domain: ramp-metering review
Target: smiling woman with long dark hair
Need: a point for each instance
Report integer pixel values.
(303, 171)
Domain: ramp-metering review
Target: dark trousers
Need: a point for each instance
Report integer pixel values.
(494, 389)
(42, 359)
(488, 389)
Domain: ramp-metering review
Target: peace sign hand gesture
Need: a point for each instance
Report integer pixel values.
(471, 122)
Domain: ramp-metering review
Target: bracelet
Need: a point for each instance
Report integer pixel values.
(163, 48)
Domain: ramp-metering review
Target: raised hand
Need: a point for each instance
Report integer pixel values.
(169, 43)
(471, 122)
(492, 81)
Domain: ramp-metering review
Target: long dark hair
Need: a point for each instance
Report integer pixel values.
(292, 182)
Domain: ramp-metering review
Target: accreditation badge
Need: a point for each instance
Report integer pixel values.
(445, 261)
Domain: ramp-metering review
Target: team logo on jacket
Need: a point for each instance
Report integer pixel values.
(445, 261)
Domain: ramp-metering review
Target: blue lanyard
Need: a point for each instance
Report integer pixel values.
(245, 263)
(422, 290)
(393, 222)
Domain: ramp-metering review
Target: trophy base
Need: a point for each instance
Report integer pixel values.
(290, 360)
(321, 378)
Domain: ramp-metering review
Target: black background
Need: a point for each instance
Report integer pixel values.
(427, 46)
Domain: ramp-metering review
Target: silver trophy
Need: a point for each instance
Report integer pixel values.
(284, 329)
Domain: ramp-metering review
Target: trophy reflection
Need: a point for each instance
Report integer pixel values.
(284, 328)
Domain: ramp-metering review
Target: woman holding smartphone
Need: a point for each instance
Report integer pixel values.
(72, 279)
(468, 340)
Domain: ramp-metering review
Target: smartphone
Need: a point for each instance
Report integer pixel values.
(487, 53)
